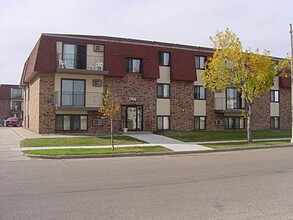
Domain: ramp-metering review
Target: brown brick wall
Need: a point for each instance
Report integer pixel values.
(144, 90)
(132, 85)
(261, 113)
(211, 114)
(47, 111)
(181, 105)
(4, 109)
(105, 128)
(285, 108)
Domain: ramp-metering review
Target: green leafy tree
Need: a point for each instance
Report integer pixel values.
(251, 73)
(110, 109)
(284, 67)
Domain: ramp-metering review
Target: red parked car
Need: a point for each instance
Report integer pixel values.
(13, 122)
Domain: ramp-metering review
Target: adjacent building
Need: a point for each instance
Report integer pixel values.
(11, 101)
(158, 86)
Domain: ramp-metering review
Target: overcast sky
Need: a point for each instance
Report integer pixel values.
(262, 24)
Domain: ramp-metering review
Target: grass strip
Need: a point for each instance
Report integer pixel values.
(245, 144)
(198, 136)
(91, 151)
(79, 141)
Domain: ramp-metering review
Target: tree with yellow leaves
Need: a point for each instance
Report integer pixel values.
(284, 66)
(110, 109)
(251, 73)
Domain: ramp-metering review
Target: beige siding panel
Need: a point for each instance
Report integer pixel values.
(59, 47)
(89, 81)
(34, 105)
(93, 94)
(26, 106)
(274, 109)
(198, 82)
(164, 74)
(200, 107)
(276, 84)
(220, 94)
(220, 100)
(93, 57)
(163, 106)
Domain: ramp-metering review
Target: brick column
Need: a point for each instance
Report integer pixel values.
(46, 99)
(285, 108)
(182, 105)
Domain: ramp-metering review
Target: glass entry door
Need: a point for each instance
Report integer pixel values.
(132, 118)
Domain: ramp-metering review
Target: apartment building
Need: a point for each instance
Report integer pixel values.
(158, 85)
(11, 101)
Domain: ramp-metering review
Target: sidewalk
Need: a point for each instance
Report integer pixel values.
(26, 134)
(152, 139)
(169, 143)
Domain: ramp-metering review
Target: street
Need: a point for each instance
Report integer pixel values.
(254, 184)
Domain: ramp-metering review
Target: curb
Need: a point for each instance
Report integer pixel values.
(63, 157)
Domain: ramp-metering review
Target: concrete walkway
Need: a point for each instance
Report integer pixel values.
(167, 142)
(152, 139)
(9, 146)
(26, 134)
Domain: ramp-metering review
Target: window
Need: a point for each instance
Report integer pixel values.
(72, 92)
(163, 91)
(133, 65)
(16, 105)
(163, 122)
(164, 58)
(199, 123)
(199, 93)
(74, 56)
(16, 93)
(274, 96)
(275, 122)
(234, 122)
(71, 122)
(233, 99)
(199, 62)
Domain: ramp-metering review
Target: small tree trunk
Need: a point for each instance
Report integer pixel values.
(248, 115)
(112, 141)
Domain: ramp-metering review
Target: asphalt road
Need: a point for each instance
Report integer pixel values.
(256, 184)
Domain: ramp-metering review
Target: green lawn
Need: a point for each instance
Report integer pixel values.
(198, 136)
(245, 144)
(79, 141)
(81, 151)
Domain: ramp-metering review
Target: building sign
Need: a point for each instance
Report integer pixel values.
(132, 99)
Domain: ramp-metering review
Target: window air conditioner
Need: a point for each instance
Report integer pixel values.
(97, 83)
(219, 122)
(98, 48)
(100, 66)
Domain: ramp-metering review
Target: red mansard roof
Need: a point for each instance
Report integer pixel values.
(43, 56)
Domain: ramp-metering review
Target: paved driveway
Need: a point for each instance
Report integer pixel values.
(9, 145)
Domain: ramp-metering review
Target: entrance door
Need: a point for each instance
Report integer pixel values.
(132, 118)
